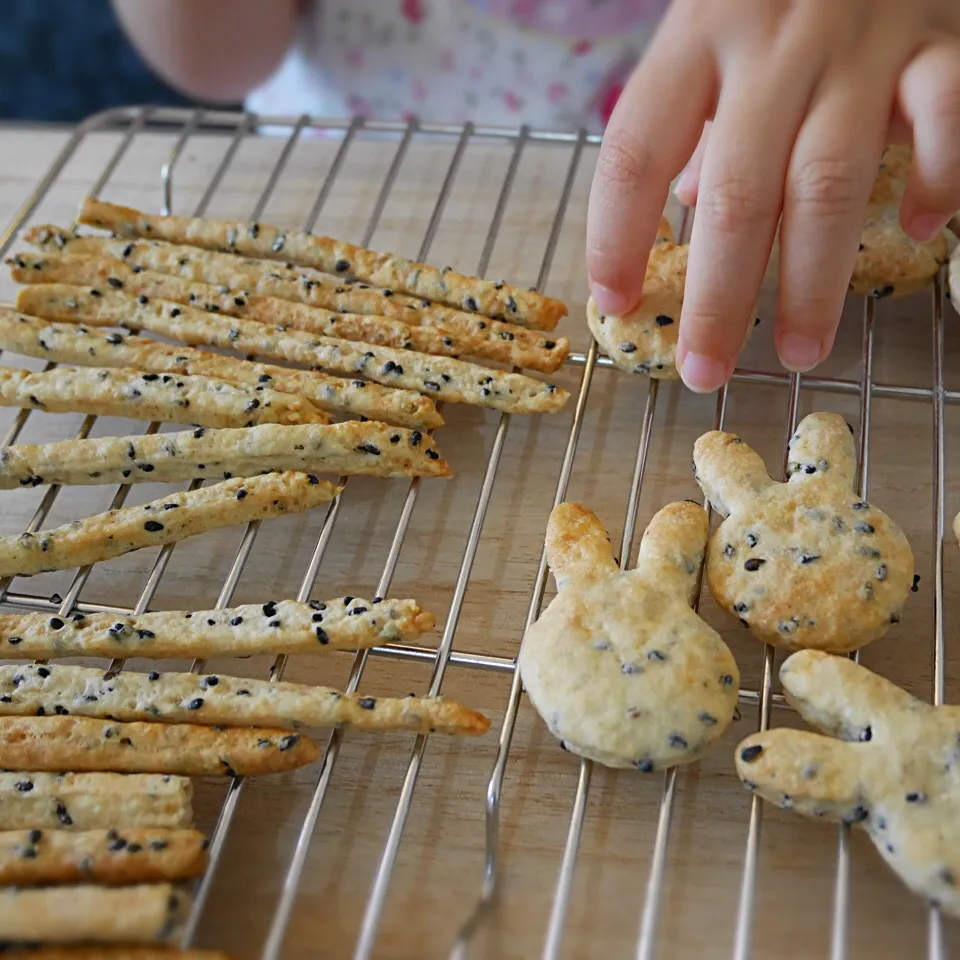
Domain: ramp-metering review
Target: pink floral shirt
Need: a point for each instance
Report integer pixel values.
(557, 64)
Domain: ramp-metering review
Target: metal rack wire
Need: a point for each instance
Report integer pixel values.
(130, 122)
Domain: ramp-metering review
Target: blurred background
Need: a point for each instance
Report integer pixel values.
(61, 60)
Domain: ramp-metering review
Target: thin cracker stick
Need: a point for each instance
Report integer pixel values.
(167, 520)
(88, 914)
(350, 448)
(49, 744)
(72, 343)
(453, 381)
(113, 953)
(347, 623)
(152, 396)
(497, 300)
(219, 700)
(93, 801)
(30, 858)
(489, 339)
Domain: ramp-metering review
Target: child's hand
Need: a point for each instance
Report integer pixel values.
(804, 95)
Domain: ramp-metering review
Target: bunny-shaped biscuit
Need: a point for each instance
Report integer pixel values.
(898, 776)
(805, 563)
(889, 263)
(619, 666)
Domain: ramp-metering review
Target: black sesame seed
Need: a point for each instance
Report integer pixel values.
(726, 680)
(153, 526)
(729, 550)
(916, 583)
(24, 786)
(628, 347)
(751, 540)
(753, 564)
(882, 572)
(236, 621)
(322, 636)
(63, 816)
(35, 836)
(117, 843)
(175, 312)
(658, 655)
(370, 448)
(809, 557)
(241, 493)
(289, 741)
(342, 266)
(663, 320)
(866, 734)
(708, 718)
(367, 703)
(43, 672)
(677, 742)
(153, 675)
(749, 754)
(864, 528)
(115, 283)
(645, 765)
(269, 609)
(56, 623)
(470, 304)
(195, 704)
(143, 299)
(882, 292)
(917, 797)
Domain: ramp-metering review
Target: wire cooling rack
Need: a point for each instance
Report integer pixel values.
(664, 895)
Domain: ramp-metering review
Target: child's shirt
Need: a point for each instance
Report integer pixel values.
(558, 64)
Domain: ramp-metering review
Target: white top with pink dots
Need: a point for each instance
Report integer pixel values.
(557, 64)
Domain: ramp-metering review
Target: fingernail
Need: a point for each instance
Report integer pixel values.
(685, 187)
(609, 301)
(925, 226)
(703, 374)
(799, 353)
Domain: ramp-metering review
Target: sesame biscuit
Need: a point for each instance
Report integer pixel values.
(497, 300)
(220, 701)
(144, 913)
(619, 666)
(277, 627)
(93, 801)
(167, 520)
(805, 563)
(30, 858)
(464, 335)
(350, 448)
(82, 744)
(453, 381)
(889, 263)
(887, 764)
(76, 344)
(152, 396)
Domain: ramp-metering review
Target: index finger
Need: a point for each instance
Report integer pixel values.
(652, 133)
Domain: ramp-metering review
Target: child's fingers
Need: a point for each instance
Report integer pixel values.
(651, 134)
(740, 195)
(930, 99)
(688, 183)
(831, 171)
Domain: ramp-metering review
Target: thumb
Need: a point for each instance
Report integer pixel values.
(651, 134)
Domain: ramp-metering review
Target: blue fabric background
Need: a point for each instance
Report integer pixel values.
(61, 60)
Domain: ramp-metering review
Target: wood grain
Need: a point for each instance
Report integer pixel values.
(440, 861)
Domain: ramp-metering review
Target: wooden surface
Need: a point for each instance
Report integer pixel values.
(439, 869)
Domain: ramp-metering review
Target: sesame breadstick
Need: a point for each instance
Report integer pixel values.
(30, 858)
(93, 801)
(350, 448)
(497, 300)
(177, 698)
(49, 744)
(113, 953)
(152, 396)
(489, 339)
(73, 343)
(88, 914)
(347, 623)
(454, 381)
(167, 520)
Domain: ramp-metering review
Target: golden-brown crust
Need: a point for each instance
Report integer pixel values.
(453, 381)
(493, 299)
(110, 857)
(76, 344)
(113, 953)
(167, 520)
(240, 631)
(51, 744)
(462, 335)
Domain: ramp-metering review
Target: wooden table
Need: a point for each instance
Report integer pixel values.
(438, 872)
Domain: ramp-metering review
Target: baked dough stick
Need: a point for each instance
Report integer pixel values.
(113, 953)
(30, 858)
(469, 335)
(146, 913)
(152, 396)
(28, 690)
(349, 448)
(93, 801)
(453, 381)
(71, 343)
(49, 744)
(167, 520)
(348, 623)
(498, 300)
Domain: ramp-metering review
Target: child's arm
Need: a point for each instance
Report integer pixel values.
(216, 50)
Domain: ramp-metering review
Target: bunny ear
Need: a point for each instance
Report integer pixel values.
(730, 473)
(822, 448)
(806, 772)
(577, 544)
(673, 546)
(844, 699)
